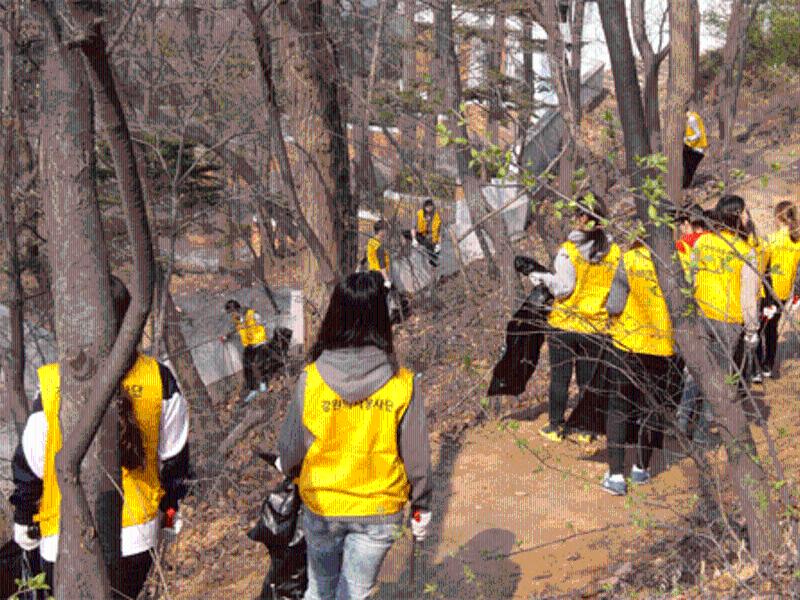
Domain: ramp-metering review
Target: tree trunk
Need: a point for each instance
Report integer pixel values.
(323, 187)
(15, 364)
(652, 65)
(750, 481)
(626, 84)
(408, 122)
(735, 44)
(502, 263)
(495, 75)
(204, 417)
(83, 314)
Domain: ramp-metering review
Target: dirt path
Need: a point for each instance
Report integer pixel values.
(518, 516)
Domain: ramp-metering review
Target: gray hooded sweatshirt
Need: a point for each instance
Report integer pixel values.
(561, 282)
(354, 374)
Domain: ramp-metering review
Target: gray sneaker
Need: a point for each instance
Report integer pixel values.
(639, 476)
(615, 488)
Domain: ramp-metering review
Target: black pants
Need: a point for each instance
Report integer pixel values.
(134, 570)
(567, 348)
(643, 388)
(768, 346)
(253, 362)
(691, 160)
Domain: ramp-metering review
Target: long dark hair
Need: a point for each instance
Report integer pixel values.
(594, 208)
(357, 316)
(131, 444)
(727, 214)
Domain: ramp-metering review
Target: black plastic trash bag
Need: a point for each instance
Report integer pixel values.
(279, 529)
(525, 334)
(16, 564)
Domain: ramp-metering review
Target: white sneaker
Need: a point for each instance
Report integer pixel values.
(262, 387)
(757, 377)
(250, 395)
(766, 374)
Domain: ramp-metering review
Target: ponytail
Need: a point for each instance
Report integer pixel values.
(131, 445)
(786, 213)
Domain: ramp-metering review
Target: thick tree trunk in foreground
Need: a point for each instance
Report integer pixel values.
(626, 83)
(14, 366)
(750, 481)
(408, 123)
(84, 316)
(323, 185)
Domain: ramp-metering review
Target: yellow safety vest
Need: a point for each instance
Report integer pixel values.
(353, 467)
(251, 332)
(717, 281)
(141, 488)
(701, 142)
(585, 310)
(377, 257)
(644, 325)
(436, 225)
(784, 256)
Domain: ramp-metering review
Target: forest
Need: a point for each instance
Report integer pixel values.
(190, 189)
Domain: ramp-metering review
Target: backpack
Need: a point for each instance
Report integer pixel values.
(279, 529)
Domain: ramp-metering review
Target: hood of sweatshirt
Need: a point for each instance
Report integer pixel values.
(355, 373)
(587, 247)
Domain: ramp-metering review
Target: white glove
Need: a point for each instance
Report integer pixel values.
(414, 242)
(770, 311)
(536, 278)
(23, 540)
(278, 464)
(419, 524)
(792, 304)
(751, 339)
(387, 284)
(437, 248)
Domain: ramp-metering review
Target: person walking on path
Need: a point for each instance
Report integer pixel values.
(355, 441)
(583, 270)
(253, 335)
(645, 377)
(154, 454)
(783, 249)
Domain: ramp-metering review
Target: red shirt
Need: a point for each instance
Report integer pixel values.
(687, 242)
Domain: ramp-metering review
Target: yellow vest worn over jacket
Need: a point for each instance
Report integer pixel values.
(718, 279)
(141, 488)
(701, 142)
(377, 257)
(584, 311)
(784, 256)
(644, 325)
(250, 331)
(435, 228)
(353, 467)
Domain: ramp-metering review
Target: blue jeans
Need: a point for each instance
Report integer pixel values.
(344, 557)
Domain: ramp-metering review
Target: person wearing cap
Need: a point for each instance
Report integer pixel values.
(253, 335)
(695, 143)
(726, 283)
(583, 268)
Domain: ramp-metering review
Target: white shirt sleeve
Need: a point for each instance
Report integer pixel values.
(34, 439)
(174, 426)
